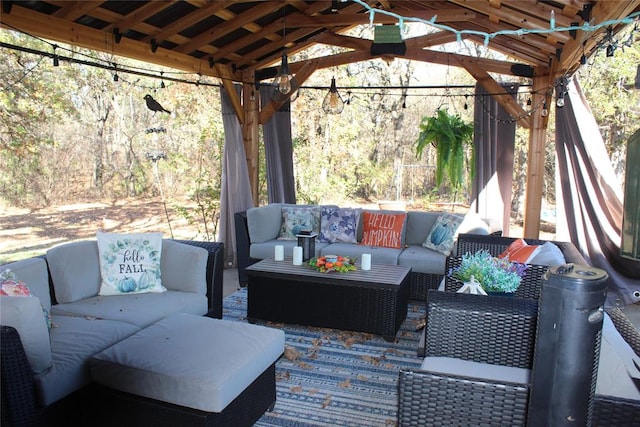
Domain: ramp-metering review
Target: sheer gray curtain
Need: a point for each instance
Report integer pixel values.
(589, 196)
(494, 139)
(235, 194)
(278, 152)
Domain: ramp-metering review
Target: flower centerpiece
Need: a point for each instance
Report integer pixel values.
(491, 273)
(329, 263)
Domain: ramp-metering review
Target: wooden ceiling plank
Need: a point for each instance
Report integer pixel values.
(253, 56)
(187, 21)
(430, 40)
(76, 9)
(506, 101)
(79, 35)
(519, 52)
(338, 40)
(363, 19)
(227, 78)
(511, 16)
(138, 15)
(229, 26)
(241, 43)
(602, 11)
(443, 58)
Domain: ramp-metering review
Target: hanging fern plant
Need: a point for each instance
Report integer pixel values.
(449, 134)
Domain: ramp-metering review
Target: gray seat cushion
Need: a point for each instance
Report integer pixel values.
(192, 361)
(140, 310)
(73, 341)
(467, 368)
(422, 260)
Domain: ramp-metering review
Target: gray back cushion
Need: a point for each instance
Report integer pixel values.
(264, 222)
(75, 270)
(418, 226)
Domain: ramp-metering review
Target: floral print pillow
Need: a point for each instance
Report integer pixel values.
(338, 225)
(297, 219)
(11, 286)
(130, 263)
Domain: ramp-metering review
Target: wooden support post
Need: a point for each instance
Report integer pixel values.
(250, 130)
(536, 157)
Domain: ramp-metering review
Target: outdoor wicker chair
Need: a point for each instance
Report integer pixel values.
(497, 331)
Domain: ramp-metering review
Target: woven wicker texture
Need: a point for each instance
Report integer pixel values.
(431, 399)
(530, 284)
(624, 326)
(488, 329)
(350, 301)
(421, 283)
(18, 391)
(609, 411)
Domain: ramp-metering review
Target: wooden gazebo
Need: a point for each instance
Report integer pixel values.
(243, 41)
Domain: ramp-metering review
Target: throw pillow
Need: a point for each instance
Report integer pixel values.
(520, 251)
(441, 235)
(296, 219)
(11, 286)
(383, 229)
(130, 263)
(549, 255)
(338, 225)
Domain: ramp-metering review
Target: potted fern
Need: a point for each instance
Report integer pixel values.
(449, 134)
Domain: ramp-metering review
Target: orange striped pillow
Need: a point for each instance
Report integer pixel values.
(520, 251)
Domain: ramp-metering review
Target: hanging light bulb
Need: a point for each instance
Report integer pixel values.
(610, 50)
(529, 102)
(162, 85)
(283, 79)
(333, 103)
(560, 100)
(56, 60)
(544, 112)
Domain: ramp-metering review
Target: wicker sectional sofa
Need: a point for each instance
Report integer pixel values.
(45, 373)
(257, 231)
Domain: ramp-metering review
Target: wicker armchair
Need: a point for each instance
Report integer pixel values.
(487, 329)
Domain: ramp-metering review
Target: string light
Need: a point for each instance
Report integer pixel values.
(544, 111)
(587, 27)
(333, 103)
(56, 60)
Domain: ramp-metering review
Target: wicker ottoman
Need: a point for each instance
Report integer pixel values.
(188, 370)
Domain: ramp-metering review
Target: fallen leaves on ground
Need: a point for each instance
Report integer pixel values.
(296, 389)
(345, 384)
(291, 353)
(327, 401)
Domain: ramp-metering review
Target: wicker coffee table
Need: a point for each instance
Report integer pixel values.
(373, 301)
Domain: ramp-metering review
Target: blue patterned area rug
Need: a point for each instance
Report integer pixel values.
(329, 377)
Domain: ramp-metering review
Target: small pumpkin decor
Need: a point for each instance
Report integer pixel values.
(329, 263)
(126, 285)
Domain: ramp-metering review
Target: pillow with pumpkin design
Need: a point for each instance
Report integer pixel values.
(130, 263)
